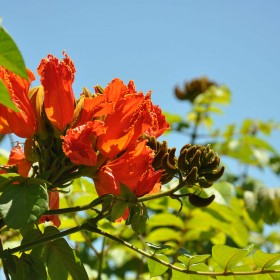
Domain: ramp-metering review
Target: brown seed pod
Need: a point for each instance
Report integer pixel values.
(191, 178)
(198, 201)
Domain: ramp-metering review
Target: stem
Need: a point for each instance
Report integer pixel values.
(101, 255)
(100, 199)
(195, 128)
(94, 203)
(162, 194)
(40, 241)
(5, 269)
(84, 234)
(171, 266)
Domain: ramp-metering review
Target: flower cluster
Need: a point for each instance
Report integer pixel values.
(101, 135)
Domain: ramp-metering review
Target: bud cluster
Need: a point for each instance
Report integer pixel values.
(194, 88)
(199, 164)
(196, 164)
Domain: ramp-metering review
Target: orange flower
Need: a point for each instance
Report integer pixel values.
(57, 78)
(17, 158)
(133, 169)
(78, 143)
(94, 107)
(22, 123)
(4, 125)
(53, 205)
(133, 116)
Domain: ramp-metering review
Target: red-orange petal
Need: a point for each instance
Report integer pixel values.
(78, 143)
(22, 123)
(17, 158)
(57, 78)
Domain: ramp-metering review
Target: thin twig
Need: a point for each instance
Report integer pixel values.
(171, 266)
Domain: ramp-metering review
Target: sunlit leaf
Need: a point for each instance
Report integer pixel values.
(165, 219)
(264, 260)
(23, 203)
(10, 56)
(156, 268)
(223, 191)
(172, 118)
(8, 179)
(227, 257)
(59, 258)
(3, 156)
(189, 260)
(163, 234)
(6, 99)
(177, 275)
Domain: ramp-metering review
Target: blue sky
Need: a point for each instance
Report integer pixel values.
(160, 44)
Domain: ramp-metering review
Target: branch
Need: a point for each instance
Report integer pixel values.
(171, 266)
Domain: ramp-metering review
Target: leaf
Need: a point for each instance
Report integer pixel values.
(167, 220)
(264, 260)
(226, 189)
(189, 260)
(6, 99)
(139, 217)
(163, 235)
(155, 268)
(60, 259)
(25, 267)
(127, 194)
(258, 143)
(118, 209)
(7, 179)
(35, 268)
(227, 257)
(10, 56)
(177, 275)
(23, 203)
(172, 118)
(158, 248)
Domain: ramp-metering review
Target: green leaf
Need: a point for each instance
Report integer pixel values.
(139, 217)
(6, 99)
(264, 260)
(163, 235)
(10, 56)
(34, 268)
(60, 259)
(155, 268)
(167, 220)
(227, 257)
(25, 267)
(6, 180)
(23, 203)
(118, 209)
(127, 194)
(158, 248)
(177, 275)
(3, 153)
(189, 260)
(172, 118)
(258, 143)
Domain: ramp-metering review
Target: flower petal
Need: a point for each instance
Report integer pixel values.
(22, 123)
(78, 143)
(57, 78)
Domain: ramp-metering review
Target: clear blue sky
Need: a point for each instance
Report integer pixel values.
(160, 44)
